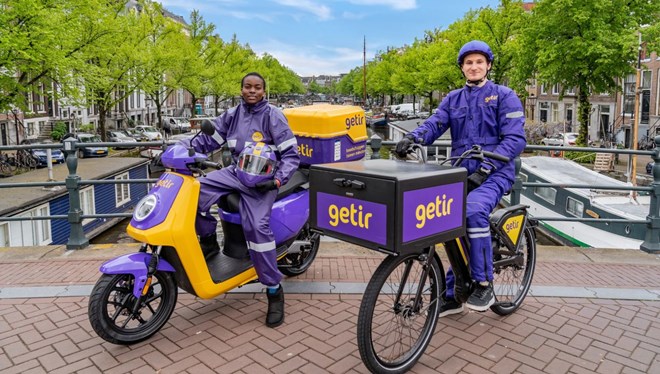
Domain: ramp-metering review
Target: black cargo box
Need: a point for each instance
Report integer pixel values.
(387, 205)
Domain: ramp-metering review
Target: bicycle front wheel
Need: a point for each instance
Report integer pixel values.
(513, 273)
(399, 311)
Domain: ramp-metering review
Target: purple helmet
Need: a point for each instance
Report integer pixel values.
(256, 163)
(475, 46)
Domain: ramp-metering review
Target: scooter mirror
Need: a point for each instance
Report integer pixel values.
(207, 127)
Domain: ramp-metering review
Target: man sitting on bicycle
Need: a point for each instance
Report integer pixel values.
(491, 116)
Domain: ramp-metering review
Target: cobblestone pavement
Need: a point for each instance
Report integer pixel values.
(227, 334)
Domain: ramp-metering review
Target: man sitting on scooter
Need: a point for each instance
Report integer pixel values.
(256, 127)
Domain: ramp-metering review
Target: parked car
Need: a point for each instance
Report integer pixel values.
(132, 133)
(90, 151)
(119, 137)
(197, 121)
(40, 154)
(176, 124)
(150, 132)
(562, 139)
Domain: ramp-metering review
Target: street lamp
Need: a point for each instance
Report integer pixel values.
(532, 102)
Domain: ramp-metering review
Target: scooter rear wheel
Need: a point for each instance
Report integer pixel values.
(292, 264)
(112, 304)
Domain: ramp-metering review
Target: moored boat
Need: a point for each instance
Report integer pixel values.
(596, 202)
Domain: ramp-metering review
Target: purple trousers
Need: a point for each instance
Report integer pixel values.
(480, 203)
(255, 209)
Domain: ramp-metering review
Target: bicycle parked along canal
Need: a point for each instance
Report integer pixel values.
(403, 209)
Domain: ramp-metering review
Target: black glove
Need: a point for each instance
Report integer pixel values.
(477, 178)
(404, 145)
(266, 186)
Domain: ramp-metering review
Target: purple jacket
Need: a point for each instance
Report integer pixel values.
(491, 116)
(261, 122)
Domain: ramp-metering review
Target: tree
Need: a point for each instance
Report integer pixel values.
(162, 50)
(42, 41)
(233, 61)
(113, 68)
(597, 38)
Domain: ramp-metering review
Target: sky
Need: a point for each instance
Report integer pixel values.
(314, 37)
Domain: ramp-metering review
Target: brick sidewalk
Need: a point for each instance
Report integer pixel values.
(227, 334)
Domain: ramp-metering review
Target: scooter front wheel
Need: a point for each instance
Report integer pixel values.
(115, 316)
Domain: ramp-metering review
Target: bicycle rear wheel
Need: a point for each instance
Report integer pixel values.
(513, 273)
(394, 325)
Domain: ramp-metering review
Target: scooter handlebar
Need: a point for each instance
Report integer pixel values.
(212, 165)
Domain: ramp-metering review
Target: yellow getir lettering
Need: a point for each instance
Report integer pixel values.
(436, 209)
(333, 212)
(343, 214)
(421, 216)
(305, 150)
(355, 216)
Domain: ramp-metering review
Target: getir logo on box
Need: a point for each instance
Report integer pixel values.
(432, 210)
(353, 217)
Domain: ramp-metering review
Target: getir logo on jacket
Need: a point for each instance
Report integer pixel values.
(432, 210)
(354, 217)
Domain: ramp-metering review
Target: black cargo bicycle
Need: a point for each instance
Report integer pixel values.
(398, 314)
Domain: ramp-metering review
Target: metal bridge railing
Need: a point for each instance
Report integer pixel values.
(651, 241)
(75, 216)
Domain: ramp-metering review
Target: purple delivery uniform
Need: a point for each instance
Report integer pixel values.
(238, 127)
(492, 117)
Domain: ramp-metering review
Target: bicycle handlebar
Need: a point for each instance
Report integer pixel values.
(495, 156)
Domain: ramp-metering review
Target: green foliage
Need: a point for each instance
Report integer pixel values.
(89, 128)
(59, 130)
(581, 157)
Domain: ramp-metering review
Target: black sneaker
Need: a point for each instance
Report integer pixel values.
(449, 306)
(482, 298)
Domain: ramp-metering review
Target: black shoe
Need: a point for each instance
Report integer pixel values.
(275, 315)
(210, 246)
(482, 298)
(449, 306)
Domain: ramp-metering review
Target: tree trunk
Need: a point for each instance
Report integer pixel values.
(102, 114)
(583, 116)
(159, 105)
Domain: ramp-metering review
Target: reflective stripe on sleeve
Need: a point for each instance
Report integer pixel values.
(286, 144)
(515, 115)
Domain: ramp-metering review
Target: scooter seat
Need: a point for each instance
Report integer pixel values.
(230, 202)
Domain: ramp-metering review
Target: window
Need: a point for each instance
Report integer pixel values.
(30, 129)
(546, 193)
(629, 94)
(574, 207)
(543, 90)
(555, 112)
(555, 89)
(646, 97)
(30, 232)
(4, 234)
(543, 111)
(570, 91)
(87, 203)
(122, 191)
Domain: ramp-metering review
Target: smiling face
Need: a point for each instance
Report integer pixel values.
(253, 89)
(475, 66)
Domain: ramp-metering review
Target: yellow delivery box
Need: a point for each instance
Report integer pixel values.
(328, 133)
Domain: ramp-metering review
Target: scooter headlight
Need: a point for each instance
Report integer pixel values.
(144, 208)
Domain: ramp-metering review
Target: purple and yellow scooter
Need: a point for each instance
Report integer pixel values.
(136, 294)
